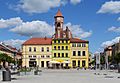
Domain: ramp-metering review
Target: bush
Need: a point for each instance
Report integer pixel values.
(25, 69)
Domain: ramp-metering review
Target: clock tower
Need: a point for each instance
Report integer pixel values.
(59, 20)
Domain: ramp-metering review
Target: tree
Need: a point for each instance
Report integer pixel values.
(117, 58)
(102, 60)
(5, 58)
(109, 59)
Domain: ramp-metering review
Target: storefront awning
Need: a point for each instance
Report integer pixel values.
(52, 62)
(66, 62)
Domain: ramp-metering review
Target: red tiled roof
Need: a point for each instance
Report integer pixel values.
(38, 41)
(77, 40)
(59, 14)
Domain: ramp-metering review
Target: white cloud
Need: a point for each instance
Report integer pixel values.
(75, 1)
(40, 6)
(16, 43)
(10, 22)
(114, 29)
(110, 7)
(109, 43)
(34, 29)
(77, 31)
(118, 19)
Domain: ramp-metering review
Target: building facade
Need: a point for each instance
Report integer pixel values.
(11, 52)
(65, 51)
(37, 52)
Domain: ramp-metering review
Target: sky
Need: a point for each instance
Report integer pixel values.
(97, 21)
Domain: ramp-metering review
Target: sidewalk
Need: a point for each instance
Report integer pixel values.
(68, 76)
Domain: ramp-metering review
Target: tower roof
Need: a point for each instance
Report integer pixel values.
(59, 14)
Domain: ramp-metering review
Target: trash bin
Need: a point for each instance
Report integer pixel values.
(6, 75)
(35, 72)
(119, 68)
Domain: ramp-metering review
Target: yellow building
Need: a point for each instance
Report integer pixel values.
(37, 52)
(79, 53)
(61, 53)
(64, 50)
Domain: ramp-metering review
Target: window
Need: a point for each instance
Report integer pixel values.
(54, 47)
(54, 54)
(34, 56)
(66, 54)
(74, 63)
(42, 56)
(42, 49)
(47, 49)
(66, 41)
(62, 41)
(78, 45)
(83, 63)
(74, 53)
(83, 53)
(58, 54)
(58, 47)
(62, 47)
(58, 41)
(54, 41)
(66, 47)
(73, 45)
(58, 24)
(47, 56)
(34, 49)
(30, 49)
(83, 45)
(30, 56)
(62, 54)
(78, 63)
(79, 53)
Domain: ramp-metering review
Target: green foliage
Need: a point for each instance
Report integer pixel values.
(25, 69)
(102, 60)
(110, 58)
(117, 58)
(5, 58)
(92, 62)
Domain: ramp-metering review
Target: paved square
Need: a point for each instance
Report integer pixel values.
(68, 76)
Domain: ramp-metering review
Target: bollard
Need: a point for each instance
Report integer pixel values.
(35, 72)
(6, 75)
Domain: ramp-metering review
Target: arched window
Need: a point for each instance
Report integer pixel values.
(58, 24)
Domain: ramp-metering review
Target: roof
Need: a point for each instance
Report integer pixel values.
(38, 41)
(59, 14)
(77, 40)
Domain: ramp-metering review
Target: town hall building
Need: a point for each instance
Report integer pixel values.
(62, 50)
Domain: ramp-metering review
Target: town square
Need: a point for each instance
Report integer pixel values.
(61, 41)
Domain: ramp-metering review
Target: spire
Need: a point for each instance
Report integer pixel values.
(59, 14)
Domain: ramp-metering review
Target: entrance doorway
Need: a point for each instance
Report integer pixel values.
(42, 63)
(32, 64)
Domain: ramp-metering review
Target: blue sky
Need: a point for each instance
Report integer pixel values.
(94, 20)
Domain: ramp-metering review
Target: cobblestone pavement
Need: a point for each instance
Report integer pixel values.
(68, 76)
